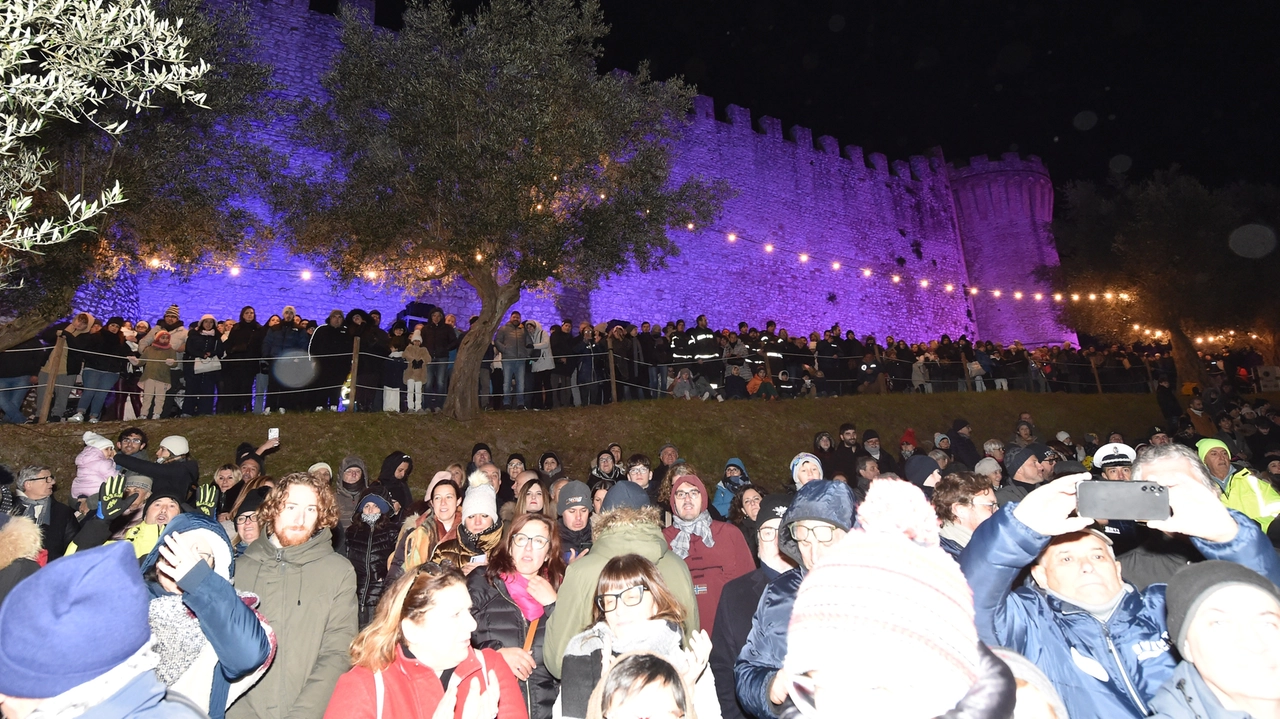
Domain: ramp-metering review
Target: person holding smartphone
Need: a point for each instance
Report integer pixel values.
(1101, 642)
(478, 535)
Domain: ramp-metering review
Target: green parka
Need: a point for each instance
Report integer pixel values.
(308, 595)
(619, 532)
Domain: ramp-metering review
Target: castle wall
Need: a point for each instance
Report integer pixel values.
(918, 219)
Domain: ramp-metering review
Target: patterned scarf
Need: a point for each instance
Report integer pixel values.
(701, 526)
(177, 634)
(32, 505)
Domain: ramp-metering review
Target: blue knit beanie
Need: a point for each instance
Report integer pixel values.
(43, 651)
(625, 494)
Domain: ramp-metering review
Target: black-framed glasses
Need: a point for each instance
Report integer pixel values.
(630, 597)
(521, 539)
(42, 479)
(821, 534)
(245, 519)
(768, 534)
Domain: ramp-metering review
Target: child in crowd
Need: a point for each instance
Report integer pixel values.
(415, 373)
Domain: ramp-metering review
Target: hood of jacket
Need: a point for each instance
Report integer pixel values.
(388, 471)
(824, 500)
(630, 531)
(1185, 696)
(817, 447)
(348, 463)
(315, 549)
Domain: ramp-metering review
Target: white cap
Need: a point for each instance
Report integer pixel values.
(1114, 455)
(1063, 437)
(176, 444)
(97, 441)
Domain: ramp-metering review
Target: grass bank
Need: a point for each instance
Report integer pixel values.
(765, 436)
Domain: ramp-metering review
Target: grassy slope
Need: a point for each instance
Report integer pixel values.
(765, 436)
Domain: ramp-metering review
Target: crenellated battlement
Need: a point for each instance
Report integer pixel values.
(1008, 162)
(738, 121)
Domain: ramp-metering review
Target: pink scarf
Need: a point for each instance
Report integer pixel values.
(518, 588)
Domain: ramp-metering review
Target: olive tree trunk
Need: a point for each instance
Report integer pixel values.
(1185, 359)
(463, 401)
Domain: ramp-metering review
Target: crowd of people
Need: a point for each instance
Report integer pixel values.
(129, 369)
(931, 576)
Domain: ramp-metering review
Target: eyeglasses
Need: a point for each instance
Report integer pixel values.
(245, 519)
(688, 494)
(131, 440)
(991, 506)
(521, 540)
(629, 597)
(768, 534)
(42, 479)
(637, 470)
(822, 534)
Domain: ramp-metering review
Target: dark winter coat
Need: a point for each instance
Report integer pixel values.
(244, 341)
(284, 338)
(104, 351)
(20, 541)
(1065, 641)
(176, 476)
(500, 624)
(737, 606)
(369, 548)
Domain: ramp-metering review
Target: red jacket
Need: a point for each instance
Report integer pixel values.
(412, 690)
(714, 567)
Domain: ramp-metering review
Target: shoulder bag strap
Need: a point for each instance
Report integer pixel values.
(380, 690)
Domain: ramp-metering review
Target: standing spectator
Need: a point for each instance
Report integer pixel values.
(19, 367)
(416, 358)
(511, 342)
(244, 354)
(46, 669)
(715, 551)
(204, 349)
(307, 592)
(542, 362)
(439, 339)
(64, 374)
(158, 360)
(512, 598)
(330, 351)
(740, 598)
(415, 660)
(565, 349)
(285, 354)
(104, 354)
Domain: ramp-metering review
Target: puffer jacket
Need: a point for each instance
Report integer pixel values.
(174, 476)
(308, 595)
(458, 551)
(766, 646)
(500, 624)
(92, 469)
(1101, 670)
(368, 549)
(618, 532)
(1186, 696)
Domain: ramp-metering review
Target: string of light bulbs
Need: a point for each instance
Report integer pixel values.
(837, 263)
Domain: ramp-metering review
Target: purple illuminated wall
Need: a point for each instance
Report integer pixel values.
(829, 214)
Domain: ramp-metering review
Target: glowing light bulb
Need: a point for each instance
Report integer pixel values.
(973, 290)
(1232, 333)
(804, 257)
(602, 195)
(1017, 295)
(1137, 327)
(306, 274)
(995, 293)
(1158, 333)
(538, 207)
(1057, 297)
(835, 265)
(154, 262)
(1075, 298)
(1124, 295)
(924, 283)
(768, 248)
(866, 273)
(1092, 297)
(689, 226)
(370, 275)
(479, 257)
(896, 278)
(235, 271)
(431, 268)
(1039, 297)
(948, 288)
(733, 237)
(1108, 295)
(1199, 340)
(1146, 332)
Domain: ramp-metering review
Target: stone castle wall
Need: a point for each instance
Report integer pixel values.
(829, 214)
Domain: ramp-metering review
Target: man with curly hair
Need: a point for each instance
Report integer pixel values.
(308, 594)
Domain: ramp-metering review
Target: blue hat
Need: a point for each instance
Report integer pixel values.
(624, 494)
(42, 621)
(378, 501)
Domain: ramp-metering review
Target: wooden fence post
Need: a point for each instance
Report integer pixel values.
(355, 369)
(1097, 380)
(55, 361)
(613, 379)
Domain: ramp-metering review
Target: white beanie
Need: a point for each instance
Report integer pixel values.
(416, 336)
(480, 499)
(97, 441)
(176, 444)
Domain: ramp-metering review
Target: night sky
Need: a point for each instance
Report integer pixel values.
(1091, 87)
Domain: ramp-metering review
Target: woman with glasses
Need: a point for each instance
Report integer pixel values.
(511, 600)
(247, 528)
(415, 658)
(634, 612)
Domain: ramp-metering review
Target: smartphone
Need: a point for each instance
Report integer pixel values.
(1111, 499)
(273, 433)
(480, 559)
